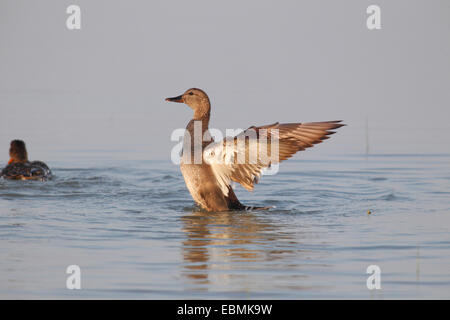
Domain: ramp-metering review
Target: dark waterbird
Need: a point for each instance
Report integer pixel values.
(209, 180)
(20, 168)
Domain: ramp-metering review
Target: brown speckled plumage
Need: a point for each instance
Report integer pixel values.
(209, 181)
(20, 168)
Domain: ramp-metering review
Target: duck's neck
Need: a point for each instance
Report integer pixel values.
(204, 118)
(17, 161)
(198, 126)
(23, 158)
(202, 113)
(198, 129)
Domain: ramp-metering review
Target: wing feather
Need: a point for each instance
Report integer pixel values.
(232, 159)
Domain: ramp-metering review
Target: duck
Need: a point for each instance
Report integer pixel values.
(20, 168)
(209, 167)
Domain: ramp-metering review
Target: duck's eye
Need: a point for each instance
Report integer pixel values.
(191, 93)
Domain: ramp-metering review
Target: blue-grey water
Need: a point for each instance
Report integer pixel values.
(132, 228)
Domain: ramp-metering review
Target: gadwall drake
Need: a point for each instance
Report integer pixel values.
(209, 167)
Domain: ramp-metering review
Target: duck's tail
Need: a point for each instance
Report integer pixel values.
(240, 207)
(235, 204)
(251, 208)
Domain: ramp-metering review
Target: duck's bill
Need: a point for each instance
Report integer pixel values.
(175, 99)
(10, 161)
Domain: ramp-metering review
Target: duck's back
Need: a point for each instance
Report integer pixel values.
(35, 170)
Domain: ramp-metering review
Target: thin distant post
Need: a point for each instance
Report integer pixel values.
(367, 136)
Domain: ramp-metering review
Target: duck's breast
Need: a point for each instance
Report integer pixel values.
(203, 186)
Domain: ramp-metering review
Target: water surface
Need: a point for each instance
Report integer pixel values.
(132, 228)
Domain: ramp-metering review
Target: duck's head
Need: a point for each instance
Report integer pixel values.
(195, 98)
(18, 152)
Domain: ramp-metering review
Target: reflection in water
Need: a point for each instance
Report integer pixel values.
(221, 241)
(122, 221)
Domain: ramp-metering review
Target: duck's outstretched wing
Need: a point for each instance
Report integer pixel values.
(242, 158)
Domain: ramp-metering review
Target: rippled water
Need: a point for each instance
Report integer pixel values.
(132, 228)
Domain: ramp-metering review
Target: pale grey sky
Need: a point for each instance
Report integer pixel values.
(260, 61)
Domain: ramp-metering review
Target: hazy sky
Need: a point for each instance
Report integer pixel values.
(260, 61)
